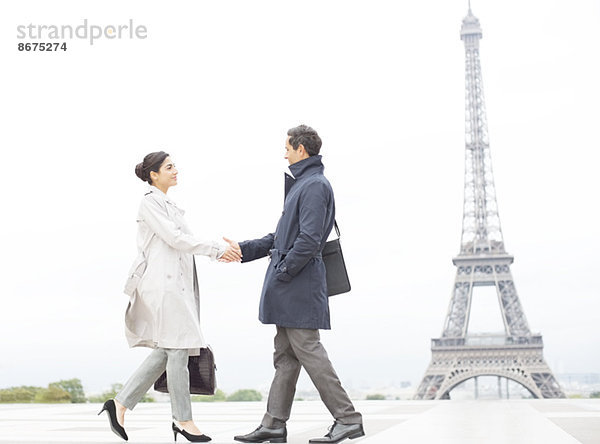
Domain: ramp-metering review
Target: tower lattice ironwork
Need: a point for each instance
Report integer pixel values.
(457, 356)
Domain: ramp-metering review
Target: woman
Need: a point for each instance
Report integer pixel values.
(163, 311)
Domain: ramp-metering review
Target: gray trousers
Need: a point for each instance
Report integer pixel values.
(296, 348)
(175, 361)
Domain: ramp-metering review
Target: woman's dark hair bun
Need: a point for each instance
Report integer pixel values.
(139, 171)
(152, 162)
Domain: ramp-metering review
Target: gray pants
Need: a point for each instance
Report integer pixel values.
(175, 361)
(296, 348)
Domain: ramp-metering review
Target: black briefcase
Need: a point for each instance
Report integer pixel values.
(337, 275)
(202, 374)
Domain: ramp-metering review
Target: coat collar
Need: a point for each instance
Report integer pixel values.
(152, 189)
(307, 167)
(304, 168)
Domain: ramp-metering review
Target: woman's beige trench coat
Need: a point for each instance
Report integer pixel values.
(164, 302)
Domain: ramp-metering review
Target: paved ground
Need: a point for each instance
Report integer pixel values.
(391, 422)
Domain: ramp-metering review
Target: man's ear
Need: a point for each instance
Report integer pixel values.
(300, 146)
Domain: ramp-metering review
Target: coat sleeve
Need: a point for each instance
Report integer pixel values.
(257, 248)
(312, 216)
(157, 218)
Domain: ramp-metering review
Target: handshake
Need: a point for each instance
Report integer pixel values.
(233, 253)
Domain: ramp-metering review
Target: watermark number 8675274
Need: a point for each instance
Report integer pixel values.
(42, 46)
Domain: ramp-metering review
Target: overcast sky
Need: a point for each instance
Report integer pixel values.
(217, 84)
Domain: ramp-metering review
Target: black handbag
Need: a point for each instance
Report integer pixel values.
(202, 368)
(336, 273)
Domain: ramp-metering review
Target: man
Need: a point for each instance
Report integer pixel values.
(294, 295)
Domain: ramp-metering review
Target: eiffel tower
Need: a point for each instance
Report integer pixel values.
(458, 355)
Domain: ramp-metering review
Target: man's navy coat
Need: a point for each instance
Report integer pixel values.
(294, 293)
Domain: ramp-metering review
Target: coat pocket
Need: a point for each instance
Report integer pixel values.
(135, 274)
(277, 257)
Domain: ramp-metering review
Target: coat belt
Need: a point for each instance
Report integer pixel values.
(282, 253)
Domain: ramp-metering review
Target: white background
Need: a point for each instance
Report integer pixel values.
(217, 85)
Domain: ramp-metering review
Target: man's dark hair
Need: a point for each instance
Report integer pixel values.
(306, 136)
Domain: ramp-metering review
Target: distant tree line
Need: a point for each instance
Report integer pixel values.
(71, 391)
(237, 396)
(110, 394)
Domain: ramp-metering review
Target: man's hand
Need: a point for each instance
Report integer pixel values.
(233, 252)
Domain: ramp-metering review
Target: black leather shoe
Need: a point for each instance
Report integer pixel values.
(264, 434)
(189, 436)
(338, 432)
(111, 409)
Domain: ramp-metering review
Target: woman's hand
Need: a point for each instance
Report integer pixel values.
(233, 253)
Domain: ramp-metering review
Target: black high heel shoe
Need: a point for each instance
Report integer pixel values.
(189, 436)
(111, 409)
